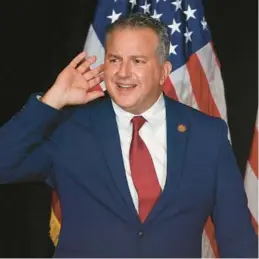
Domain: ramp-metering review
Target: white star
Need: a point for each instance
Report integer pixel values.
(114, 16)
(156, 15)
(175, 27)
(146, 7)
(133, 2)
(190, 13)
(204, 24)
(188, 35)
(172, 49)
(178, 4)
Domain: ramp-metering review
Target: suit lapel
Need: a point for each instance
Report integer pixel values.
(106, 131)
(176, 135)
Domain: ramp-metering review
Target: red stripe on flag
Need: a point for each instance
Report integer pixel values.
(200, 85)
(253, 159)
(56, 206)
(169, 89)
(96, 88)
(210, 232)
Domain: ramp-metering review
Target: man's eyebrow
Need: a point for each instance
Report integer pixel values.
(114, 56)
(139, 56)
(132, 56)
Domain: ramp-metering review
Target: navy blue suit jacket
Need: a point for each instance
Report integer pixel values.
(78, 152)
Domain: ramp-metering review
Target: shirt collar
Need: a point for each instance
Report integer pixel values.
(153, 115)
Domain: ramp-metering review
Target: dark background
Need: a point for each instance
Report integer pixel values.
(38, 38)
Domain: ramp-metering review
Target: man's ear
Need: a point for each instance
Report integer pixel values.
(167, 67)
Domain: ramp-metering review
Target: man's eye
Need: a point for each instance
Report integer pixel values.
(139, 61)
(113, 60)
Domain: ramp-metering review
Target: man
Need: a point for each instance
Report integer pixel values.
(137, 173)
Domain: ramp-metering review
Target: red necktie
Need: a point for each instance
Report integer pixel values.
(143, 171)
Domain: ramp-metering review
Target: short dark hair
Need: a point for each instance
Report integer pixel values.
(140, 20)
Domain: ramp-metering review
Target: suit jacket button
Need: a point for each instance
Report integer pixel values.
(140, 234)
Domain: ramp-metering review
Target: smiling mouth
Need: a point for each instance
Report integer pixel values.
(126, 86)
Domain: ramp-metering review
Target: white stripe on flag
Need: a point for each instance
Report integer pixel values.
(207, 251)
(94, 47)
(251, 186)
(213, 74)
(180, 79)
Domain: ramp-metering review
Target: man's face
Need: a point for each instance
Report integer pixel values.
(133, 74)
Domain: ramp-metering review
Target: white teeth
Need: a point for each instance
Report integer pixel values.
(126, 86)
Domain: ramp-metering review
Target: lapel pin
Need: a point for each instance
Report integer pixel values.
(181, 128)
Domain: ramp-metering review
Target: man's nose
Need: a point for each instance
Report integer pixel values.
(124, 69)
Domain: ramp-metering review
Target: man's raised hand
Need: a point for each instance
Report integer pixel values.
(73, 84)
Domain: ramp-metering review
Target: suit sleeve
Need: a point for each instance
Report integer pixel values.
(234, 231)
(25, 153)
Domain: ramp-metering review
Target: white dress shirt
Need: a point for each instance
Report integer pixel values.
(153, 133)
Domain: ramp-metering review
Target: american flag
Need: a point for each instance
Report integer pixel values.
(251, 179)
(195, 78)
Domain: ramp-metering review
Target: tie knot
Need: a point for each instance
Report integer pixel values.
(138, 122)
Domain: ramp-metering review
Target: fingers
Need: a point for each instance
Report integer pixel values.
(91, 77)
(95, 81)
(93, 73)
(74, 63)
(85, 64)
(94, 77)
(87, 85)
(93, 95)
(82, 63)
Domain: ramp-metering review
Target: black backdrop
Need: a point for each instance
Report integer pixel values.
(38, 38)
